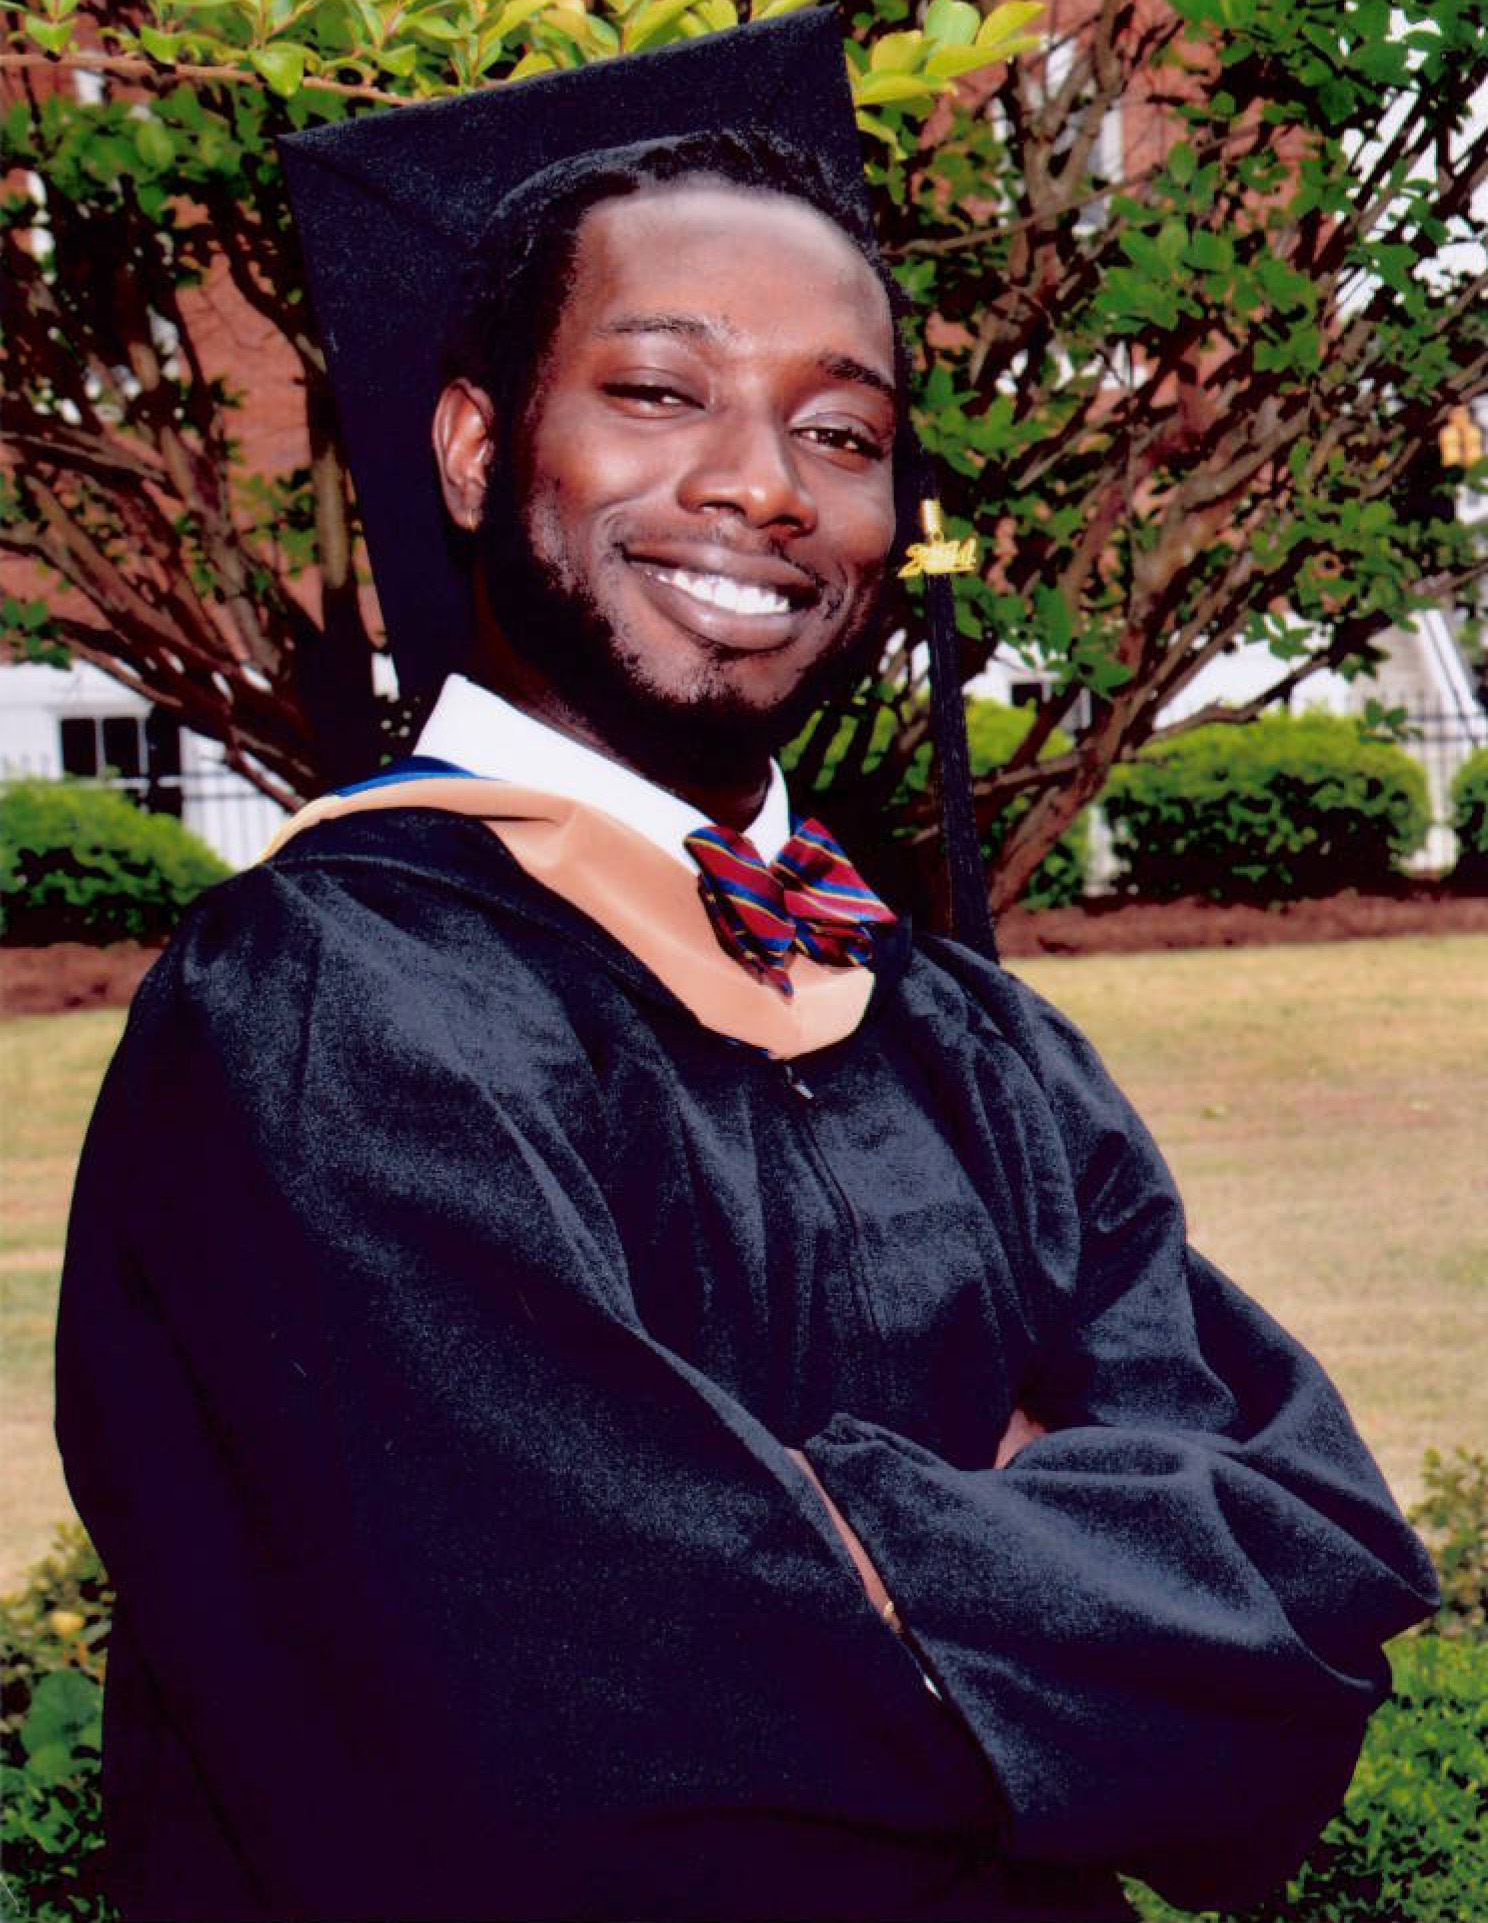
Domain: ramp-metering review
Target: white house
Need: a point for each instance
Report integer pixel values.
(79, 721)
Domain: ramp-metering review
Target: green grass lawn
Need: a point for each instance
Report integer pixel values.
(1322, 1106)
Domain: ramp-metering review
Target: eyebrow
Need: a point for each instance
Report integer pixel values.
(842, 367)
(838, 367)
(690, 325)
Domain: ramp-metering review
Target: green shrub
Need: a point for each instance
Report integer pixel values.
(1453, 1519)
(993, 731)
(1273, 810)
(55, 1636)
(79, 863)
(1411, 1842)
(1470, 818)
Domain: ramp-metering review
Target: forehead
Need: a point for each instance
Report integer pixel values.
(759, 266)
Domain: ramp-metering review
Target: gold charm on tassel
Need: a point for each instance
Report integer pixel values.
(935, 554)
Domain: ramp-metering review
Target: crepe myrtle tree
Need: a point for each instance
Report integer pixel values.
(168, 560)
(1186, 384)
(1207, 280)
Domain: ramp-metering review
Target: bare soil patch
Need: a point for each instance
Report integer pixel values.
(1115, 926)
(69, 975)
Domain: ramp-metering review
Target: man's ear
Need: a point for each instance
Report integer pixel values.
(464, 443)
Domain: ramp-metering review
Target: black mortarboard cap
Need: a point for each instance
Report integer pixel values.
(392, 209)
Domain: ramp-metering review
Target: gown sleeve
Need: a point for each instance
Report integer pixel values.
(1163, 1621)
(458, 1594)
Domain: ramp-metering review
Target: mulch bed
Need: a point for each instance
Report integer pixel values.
(67, 975)
(71, 974)
(1116, 927)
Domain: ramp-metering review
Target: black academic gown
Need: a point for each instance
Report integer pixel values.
(440, 1302)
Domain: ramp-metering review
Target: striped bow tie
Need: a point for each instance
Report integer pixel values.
(810, 897)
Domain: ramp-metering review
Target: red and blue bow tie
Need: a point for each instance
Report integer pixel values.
(810, 897)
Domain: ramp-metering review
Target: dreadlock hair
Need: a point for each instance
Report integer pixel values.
(522, 270)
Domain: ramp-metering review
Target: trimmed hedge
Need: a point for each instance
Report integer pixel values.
(1470, 819)
(993, 731)
(1272, 810)
(80, 863)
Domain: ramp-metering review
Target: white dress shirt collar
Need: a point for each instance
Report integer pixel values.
(486, 735)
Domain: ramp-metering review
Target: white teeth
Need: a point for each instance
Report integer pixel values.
(719, 591)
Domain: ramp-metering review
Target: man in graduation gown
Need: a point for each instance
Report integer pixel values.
(614, 1378)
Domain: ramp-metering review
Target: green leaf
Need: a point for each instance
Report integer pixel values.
(949, 63)
(772, 9)
(66, 1708)
(646, 26)
(606, 38)
(433, 26)
(1213, 253)
(156, 147)
(1393, 262)
(879, 129)
(1287, 290)
(575, 26)
(1183, 163)
(952, 23)
(1004, 31)
(51, 1763)
(532, 63)
(1102, 673)
(896, 53)
(282, 64)
(160, 46)
(1054, 617)
(516, 14)
(52, 36)
(881, 89)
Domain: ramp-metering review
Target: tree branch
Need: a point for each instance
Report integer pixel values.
(136, 68)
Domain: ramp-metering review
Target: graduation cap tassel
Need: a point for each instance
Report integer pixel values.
(937, 559)
(971, 920)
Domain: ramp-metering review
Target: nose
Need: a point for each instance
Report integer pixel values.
(745, 464)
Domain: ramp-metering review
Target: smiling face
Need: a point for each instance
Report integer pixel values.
(704, 472)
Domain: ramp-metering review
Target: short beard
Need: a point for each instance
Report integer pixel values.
(710, 739)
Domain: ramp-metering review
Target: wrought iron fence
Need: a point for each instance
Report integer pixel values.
(1441, 740)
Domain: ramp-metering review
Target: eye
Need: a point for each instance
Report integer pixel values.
(649, 397)
(845, 437)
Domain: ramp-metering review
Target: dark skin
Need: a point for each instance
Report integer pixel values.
(705, 471)
(705, 476)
